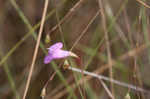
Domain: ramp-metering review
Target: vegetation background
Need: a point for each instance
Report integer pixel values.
(111, 37)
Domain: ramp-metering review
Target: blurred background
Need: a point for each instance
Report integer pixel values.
(115, 45)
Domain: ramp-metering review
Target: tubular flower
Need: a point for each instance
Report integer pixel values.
(55, 52)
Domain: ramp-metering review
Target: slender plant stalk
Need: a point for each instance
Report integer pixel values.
(143, 3)
(109, 79)
(107, 41)
(107, 89)
(85, 30)
(136, 73)
(36, 49)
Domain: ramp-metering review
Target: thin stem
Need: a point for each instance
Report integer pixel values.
(85, 30)
(107, 90)
(143, 3)
(108, 79)
(107, 41)
(36, 49)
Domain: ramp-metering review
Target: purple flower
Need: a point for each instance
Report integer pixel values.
(55, 52)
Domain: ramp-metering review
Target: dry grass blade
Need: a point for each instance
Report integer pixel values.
(36, 49)
(108, 79)
(107, 90)
(143, 3)
(66, 16)
(84, 31)
(136, 78)
(107, 41)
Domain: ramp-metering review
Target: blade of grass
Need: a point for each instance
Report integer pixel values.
(10, 79)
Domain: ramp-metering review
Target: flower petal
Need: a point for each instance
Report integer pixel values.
(48, 59)
(55, 46)
(60, 54)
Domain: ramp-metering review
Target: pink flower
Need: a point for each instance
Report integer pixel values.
(55, 52)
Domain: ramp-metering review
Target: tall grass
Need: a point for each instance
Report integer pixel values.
(109, 39)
